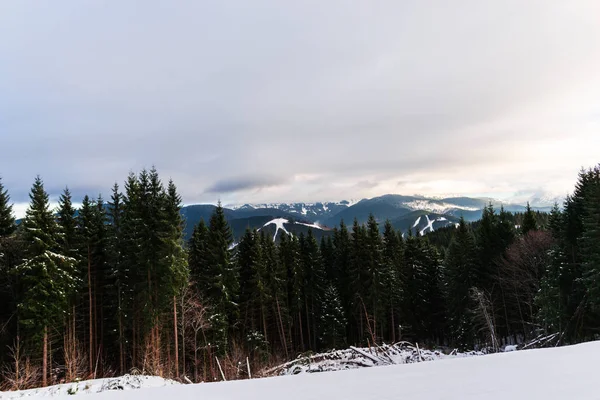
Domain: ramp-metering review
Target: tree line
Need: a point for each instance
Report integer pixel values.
(112, 287)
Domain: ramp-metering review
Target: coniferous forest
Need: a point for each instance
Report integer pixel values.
(112, 287)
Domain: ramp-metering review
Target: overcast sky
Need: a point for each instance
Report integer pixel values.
(251, 101)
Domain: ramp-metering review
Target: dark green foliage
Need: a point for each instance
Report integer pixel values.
(332, 320)
(222, 278)
(461, 276)
(7, 220)
(197, 258)
(46, 276)
(68, 228)
(590, 240)
(529, 222)
(568, 300)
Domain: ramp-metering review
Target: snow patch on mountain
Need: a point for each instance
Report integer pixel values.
(279, 224)
(417, 222)
(429, 225)
(434, 206)
(309, 225)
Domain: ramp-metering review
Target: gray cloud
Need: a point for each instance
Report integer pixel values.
(244, 183)
(470, 97)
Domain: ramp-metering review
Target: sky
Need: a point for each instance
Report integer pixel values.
(279, 101)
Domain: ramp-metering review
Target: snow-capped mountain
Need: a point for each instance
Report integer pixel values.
(319, 211)
(419, 214)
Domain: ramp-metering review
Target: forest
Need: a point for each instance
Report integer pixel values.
(112, 287)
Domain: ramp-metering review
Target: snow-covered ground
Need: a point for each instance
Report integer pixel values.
(558, 373)
(126, 382)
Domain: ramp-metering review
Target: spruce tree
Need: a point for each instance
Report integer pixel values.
(461, 274)
(529, 222)
(313, 285)
(590, 240)
(392, 279)
(332, 321)
(47, 276)
(67, 222)
(289, 259)
(7, 220)
(342, 278)
(200, 272)
(359, 280)
(224, 288)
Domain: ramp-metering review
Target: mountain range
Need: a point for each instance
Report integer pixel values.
(417, 213)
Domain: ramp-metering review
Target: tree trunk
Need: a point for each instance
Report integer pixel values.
(91, 321)
(284, 342)
(393, 327)
(121, 351)
(195, 356)
(176, 337)
(183, 334)
(307, 322)
(45, 358)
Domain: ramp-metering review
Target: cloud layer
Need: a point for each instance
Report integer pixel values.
(311, 100)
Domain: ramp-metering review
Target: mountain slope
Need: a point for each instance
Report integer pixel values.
(402, 211)
(551, 374)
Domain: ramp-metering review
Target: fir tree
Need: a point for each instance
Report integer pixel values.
(67, 222)
(198, 259)
(529, 222)
(332, 320)
(461, 274)
(7, 220)
(590, 240)
(47, 276)
(392, 278)
(223, 291)
(313, 284)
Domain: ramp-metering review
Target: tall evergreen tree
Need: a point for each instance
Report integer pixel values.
(590, 240)
(223, 291)
(313, 284)
(392, 276)
(7, 219)
(332, 321)
(198, 259)
(529, 222)
(461, 274)
(67, 222)
(47, 276)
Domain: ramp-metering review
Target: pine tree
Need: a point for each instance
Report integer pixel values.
(359, 279)
(7, 220)
(332, 321)
(590, 240)
(115, 272)
(392, 279)
(342, 278)
(47, 276)
(198, 260)
(224, 288)
(67, 222)
(374, 298)
(529, 222)
(313, 285)
(289, 260)
(489, 248)
(423, 300)
(461, 274)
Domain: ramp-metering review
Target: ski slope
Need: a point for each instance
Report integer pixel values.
(558, 373)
